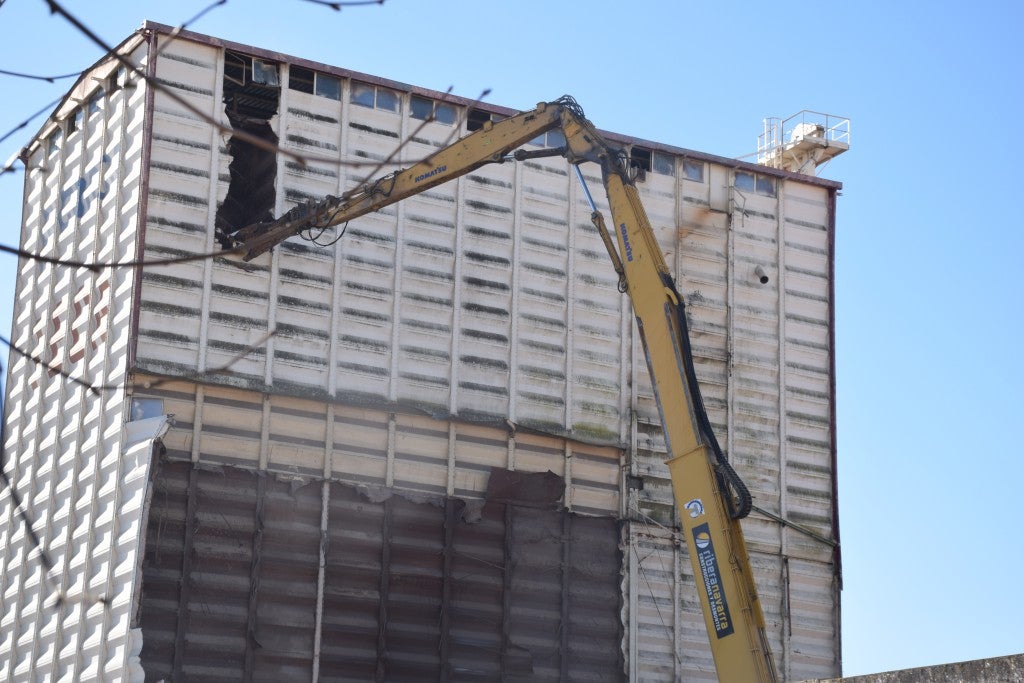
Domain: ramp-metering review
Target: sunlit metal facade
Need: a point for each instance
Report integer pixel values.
(325, 503)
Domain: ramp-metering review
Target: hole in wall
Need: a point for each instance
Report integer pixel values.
(252, 93)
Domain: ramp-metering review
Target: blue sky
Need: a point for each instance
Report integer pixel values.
(928, 248)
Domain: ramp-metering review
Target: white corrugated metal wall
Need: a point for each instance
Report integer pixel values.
(489, 299)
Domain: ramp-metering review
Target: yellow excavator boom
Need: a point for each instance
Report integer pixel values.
(709, 495)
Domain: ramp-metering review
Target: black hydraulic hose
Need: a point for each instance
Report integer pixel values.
(728, 479)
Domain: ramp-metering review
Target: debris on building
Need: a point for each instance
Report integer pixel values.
(423, 444)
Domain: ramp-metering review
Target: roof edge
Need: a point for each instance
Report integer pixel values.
(620, 138)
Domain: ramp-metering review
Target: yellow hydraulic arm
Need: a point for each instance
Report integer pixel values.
(710, 497)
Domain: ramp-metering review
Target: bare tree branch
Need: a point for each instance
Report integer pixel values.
(96, 266)
(24, 123)
(56, 369)
(36, 541)
(352, 3)
(200, 377)
(48, 79)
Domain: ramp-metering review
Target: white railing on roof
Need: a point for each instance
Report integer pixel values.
(780, 133)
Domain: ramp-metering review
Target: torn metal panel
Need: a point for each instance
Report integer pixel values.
(224, 425)
(414, 588)
(536, 489)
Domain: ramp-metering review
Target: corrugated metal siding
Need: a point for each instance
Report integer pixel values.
(180, 205)
(774, 424)
(418, 589)
(401, 352)
(460, 301)
(490, 298)
(82, 488)
(360, 445)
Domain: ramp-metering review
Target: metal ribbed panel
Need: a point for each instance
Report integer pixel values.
(413, 589)
(230, 576)
(815, 629)
(352, 587)
(367, 446)
(454, 320)
(289, 557)
(179, 204)
(477, 621)
(736, 330)
(487, 299)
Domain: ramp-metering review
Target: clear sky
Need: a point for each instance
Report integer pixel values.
(929, 242)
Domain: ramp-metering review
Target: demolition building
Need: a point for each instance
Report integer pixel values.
(423, 445)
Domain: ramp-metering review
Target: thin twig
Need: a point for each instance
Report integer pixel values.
(33, 536)
(56, 369)
(96, 266)
(48, 79)
(24, 123)
(57, 8)
(336, 6)
(221, 370)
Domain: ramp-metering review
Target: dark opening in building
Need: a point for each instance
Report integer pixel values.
(252, 92)
(640, 162)
(476, 119)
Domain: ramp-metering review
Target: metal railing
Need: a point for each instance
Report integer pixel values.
(780, 133)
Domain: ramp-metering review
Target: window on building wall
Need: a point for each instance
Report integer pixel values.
(693, 170)
(95, 101)
(755, 182)
(387, 99)
(314, 83)
(53, 143)
(303, 80)
(235, 67)
(476, 118)
(744, 181)
(425, 109)
(663, 164)
(374, 97)
(765, 185)
(117, 80)
(640, 162)
(328, 86)
(75, 120)
(553, 139)
(144, 408)
(363, 95)
(264, 73)
(243, 70)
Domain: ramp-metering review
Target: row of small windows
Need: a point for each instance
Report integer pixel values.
(371, 96)
(375, 98)
(311, 82)
(425, 109)
(77, 117)
(649, 161)
(421, 108)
